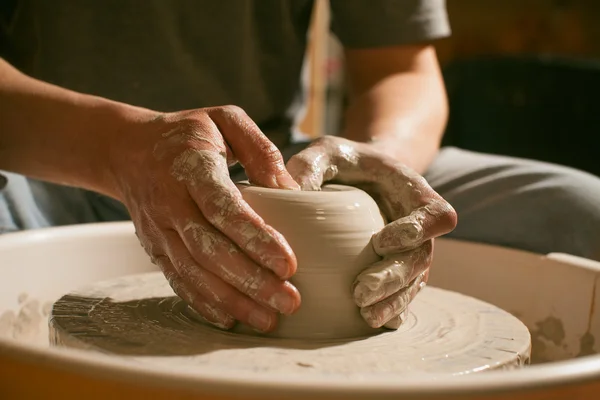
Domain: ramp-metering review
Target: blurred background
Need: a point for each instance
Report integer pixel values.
(523, 78)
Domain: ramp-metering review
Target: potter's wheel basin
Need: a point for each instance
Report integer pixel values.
(40, 266)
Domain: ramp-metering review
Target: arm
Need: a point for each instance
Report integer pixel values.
(58, 135)
(398, 101)
(170, 170)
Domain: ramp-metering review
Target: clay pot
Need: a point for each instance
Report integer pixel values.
(330, 232)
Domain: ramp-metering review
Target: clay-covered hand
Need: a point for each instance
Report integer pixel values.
(218, 255)
(417, 213)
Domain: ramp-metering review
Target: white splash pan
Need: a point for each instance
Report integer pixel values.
(554, 295)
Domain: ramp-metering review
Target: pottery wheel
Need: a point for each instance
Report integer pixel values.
(139, 318)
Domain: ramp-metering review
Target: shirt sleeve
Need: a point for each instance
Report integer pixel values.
(379, 23)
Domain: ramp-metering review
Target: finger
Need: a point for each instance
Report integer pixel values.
(221, 203)
(380, 313)
(390, 275)
(211, 314)
(396, 322)
(424, 223)
(216, 292)
(311, 168)
(260, 158)
(215, 253)
(405, 197)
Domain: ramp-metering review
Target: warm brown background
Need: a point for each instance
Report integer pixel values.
(480, 27)
(567, 27)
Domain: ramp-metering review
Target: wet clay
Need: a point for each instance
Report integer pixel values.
(26, 324)
(330, 232)
(139, 318)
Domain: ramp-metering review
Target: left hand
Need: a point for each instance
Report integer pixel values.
(384, 290)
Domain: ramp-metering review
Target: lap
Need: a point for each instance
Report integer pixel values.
(520, 203)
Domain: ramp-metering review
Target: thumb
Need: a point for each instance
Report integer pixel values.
(311, 168)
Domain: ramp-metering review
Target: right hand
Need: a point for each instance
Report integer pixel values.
(216, 252)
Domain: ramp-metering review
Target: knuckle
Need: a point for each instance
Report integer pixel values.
(446, 216)
(251, 285)
(195, 167)
(257, 239)
(216, 192)
(232, 109)
(303, 161)
(207, 242)
(270, 155)
(222, 208)
(190, 125)
(229, 112)
(268, 150)
(325, 141)
(450, 217)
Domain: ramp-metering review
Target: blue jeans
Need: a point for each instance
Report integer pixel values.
(517, 203)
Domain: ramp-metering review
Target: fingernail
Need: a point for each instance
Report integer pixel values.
(260, 319)
(287, 182)
(279, 265)
(283, 302)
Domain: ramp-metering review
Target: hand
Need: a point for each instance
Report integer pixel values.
(217, 253)
(384, 290)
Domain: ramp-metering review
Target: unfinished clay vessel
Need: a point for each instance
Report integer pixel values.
(330, 232)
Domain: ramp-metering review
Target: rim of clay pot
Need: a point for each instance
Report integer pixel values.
(206, 381)
(329, 189)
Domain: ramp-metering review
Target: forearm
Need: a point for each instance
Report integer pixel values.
(403, 112)
(58, 135)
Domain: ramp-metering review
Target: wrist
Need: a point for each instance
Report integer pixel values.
(116, 124)
(55, 134)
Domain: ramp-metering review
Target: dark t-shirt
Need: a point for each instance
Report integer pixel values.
(179, 54)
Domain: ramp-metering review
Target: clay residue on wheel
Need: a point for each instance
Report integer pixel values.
(139, 319)
(547, 340)
(586, 345)
(27, 323)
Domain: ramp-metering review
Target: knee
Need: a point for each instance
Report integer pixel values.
(567, 203)
(541, 208)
